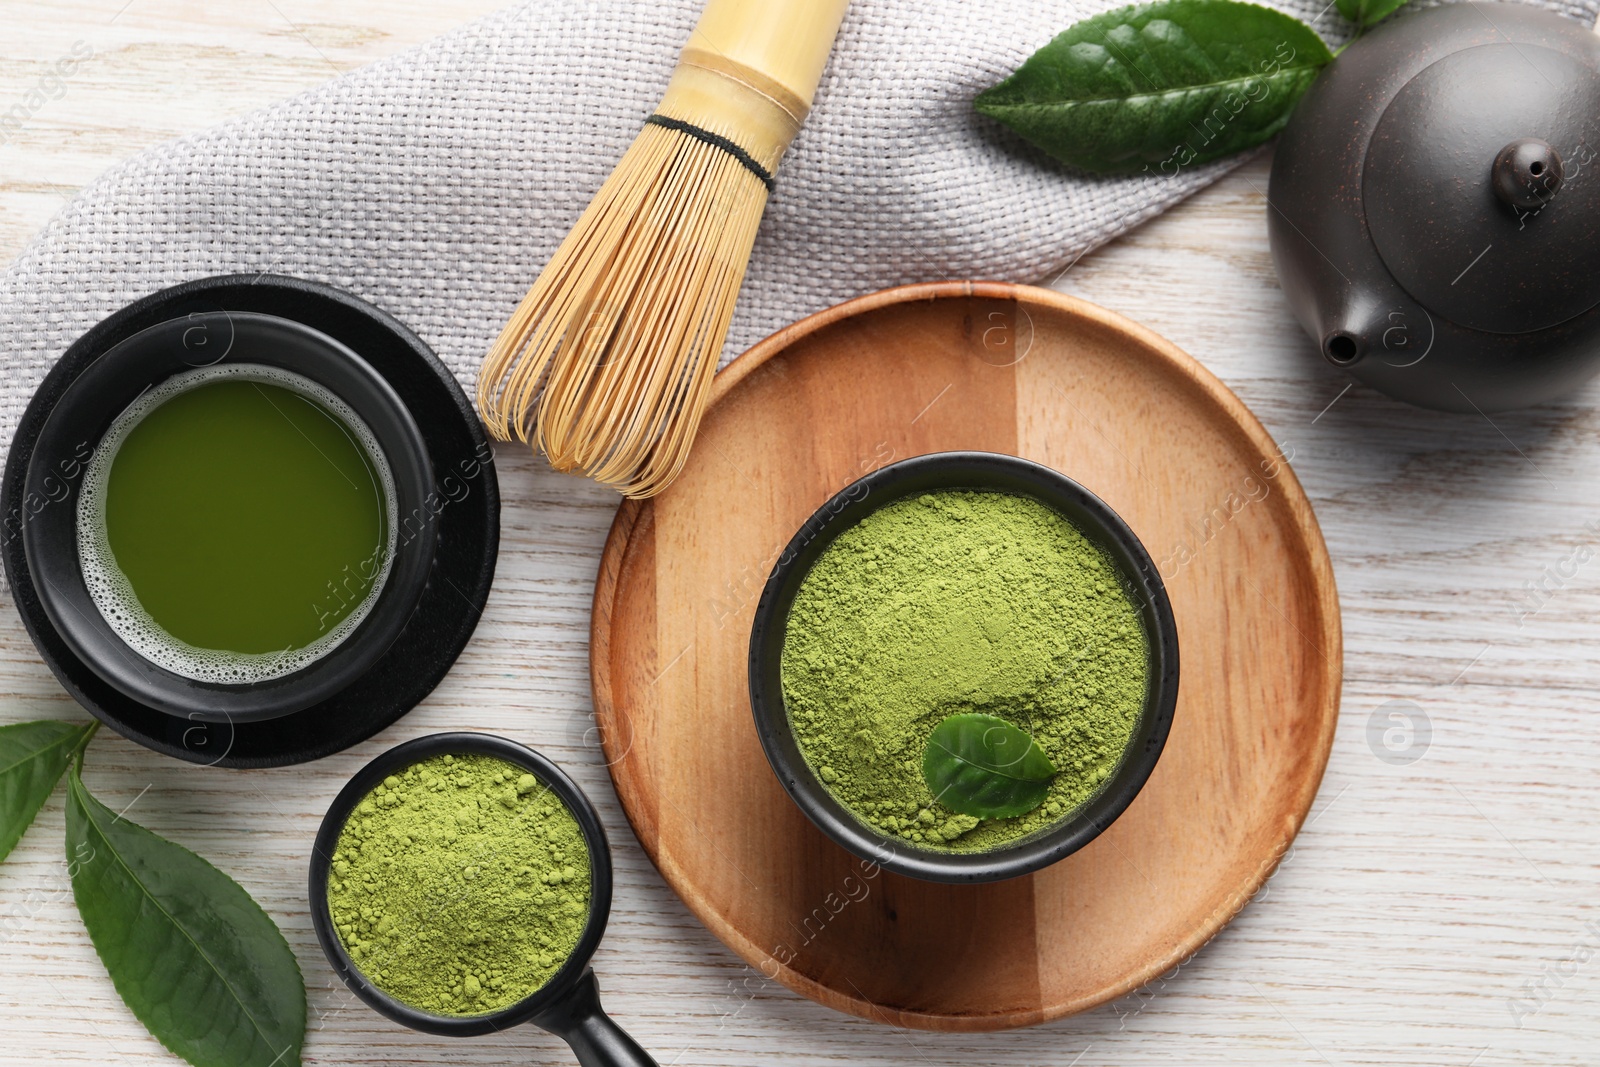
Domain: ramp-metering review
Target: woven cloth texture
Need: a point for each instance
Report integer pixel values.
(437, 183)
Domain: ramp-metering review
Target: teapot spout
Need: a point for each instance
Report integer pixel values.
(1398, 335)
(1344, 347)
(1354, 331)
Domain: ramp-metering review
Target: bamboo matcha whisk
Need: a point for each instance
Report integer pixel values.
(607, 362)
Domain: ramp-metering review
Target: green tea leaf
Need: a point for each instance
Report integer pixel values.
(32, 757)
(197, 960)
(1160, 86)
(1366, 13)
(984, 766)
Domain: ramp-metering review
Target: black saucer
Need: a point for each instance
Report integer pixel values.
(465, 504)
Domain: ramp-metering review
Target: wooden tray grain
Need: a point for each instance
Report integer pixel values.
(1007, 369)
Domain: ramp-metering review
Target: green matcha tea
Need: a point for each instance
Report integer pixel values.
(460, 885)
(236, 523)
(961, 603)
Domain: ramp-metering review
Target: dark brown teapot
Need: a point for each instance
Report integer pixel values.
(1435, 207)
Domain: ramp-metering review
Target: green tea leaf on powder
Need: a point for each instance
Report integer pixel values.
(32, 757)
(194, 957)
(1161, 86)
(983, 766)
(1366, 13)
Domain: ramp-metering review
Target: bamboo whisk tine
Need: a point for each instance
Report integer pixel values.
(606, 364)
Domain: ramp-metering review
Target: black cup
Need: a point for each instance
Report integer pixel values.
(80, 420)
(976, 471)
(568, 1005)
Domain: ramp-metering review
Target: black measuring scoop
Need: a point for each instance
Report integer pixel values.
(568, 1005)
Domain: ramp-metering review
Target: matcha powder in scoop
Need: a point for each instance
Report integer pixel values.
(460, 885)
(958, 602)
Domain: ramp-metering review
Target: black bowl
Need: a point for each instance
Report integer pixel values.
(464, 507)
(103, 391)
(979, 471)
(568, 1004)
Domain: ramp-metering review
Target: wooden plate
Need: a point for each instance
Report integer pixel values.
(1006, 369)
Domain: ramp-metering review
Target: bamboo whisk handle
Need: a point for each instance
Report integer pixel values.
(750, 70)
(788, 41)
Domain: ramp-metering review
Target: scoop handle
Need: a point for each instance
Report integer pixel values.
(578, 1019)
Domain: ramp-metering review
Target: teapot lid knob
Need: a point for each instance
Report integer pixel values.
(1527, 173)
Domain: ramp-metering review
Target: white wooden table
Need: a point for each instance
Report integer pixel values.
(1431, 892)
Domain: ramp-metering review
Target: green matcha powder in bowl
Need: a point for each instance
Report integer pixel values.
(964, 667)
(460, 884)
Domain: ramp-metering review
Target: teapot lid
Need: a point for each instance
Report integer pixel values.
(1482, 187)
